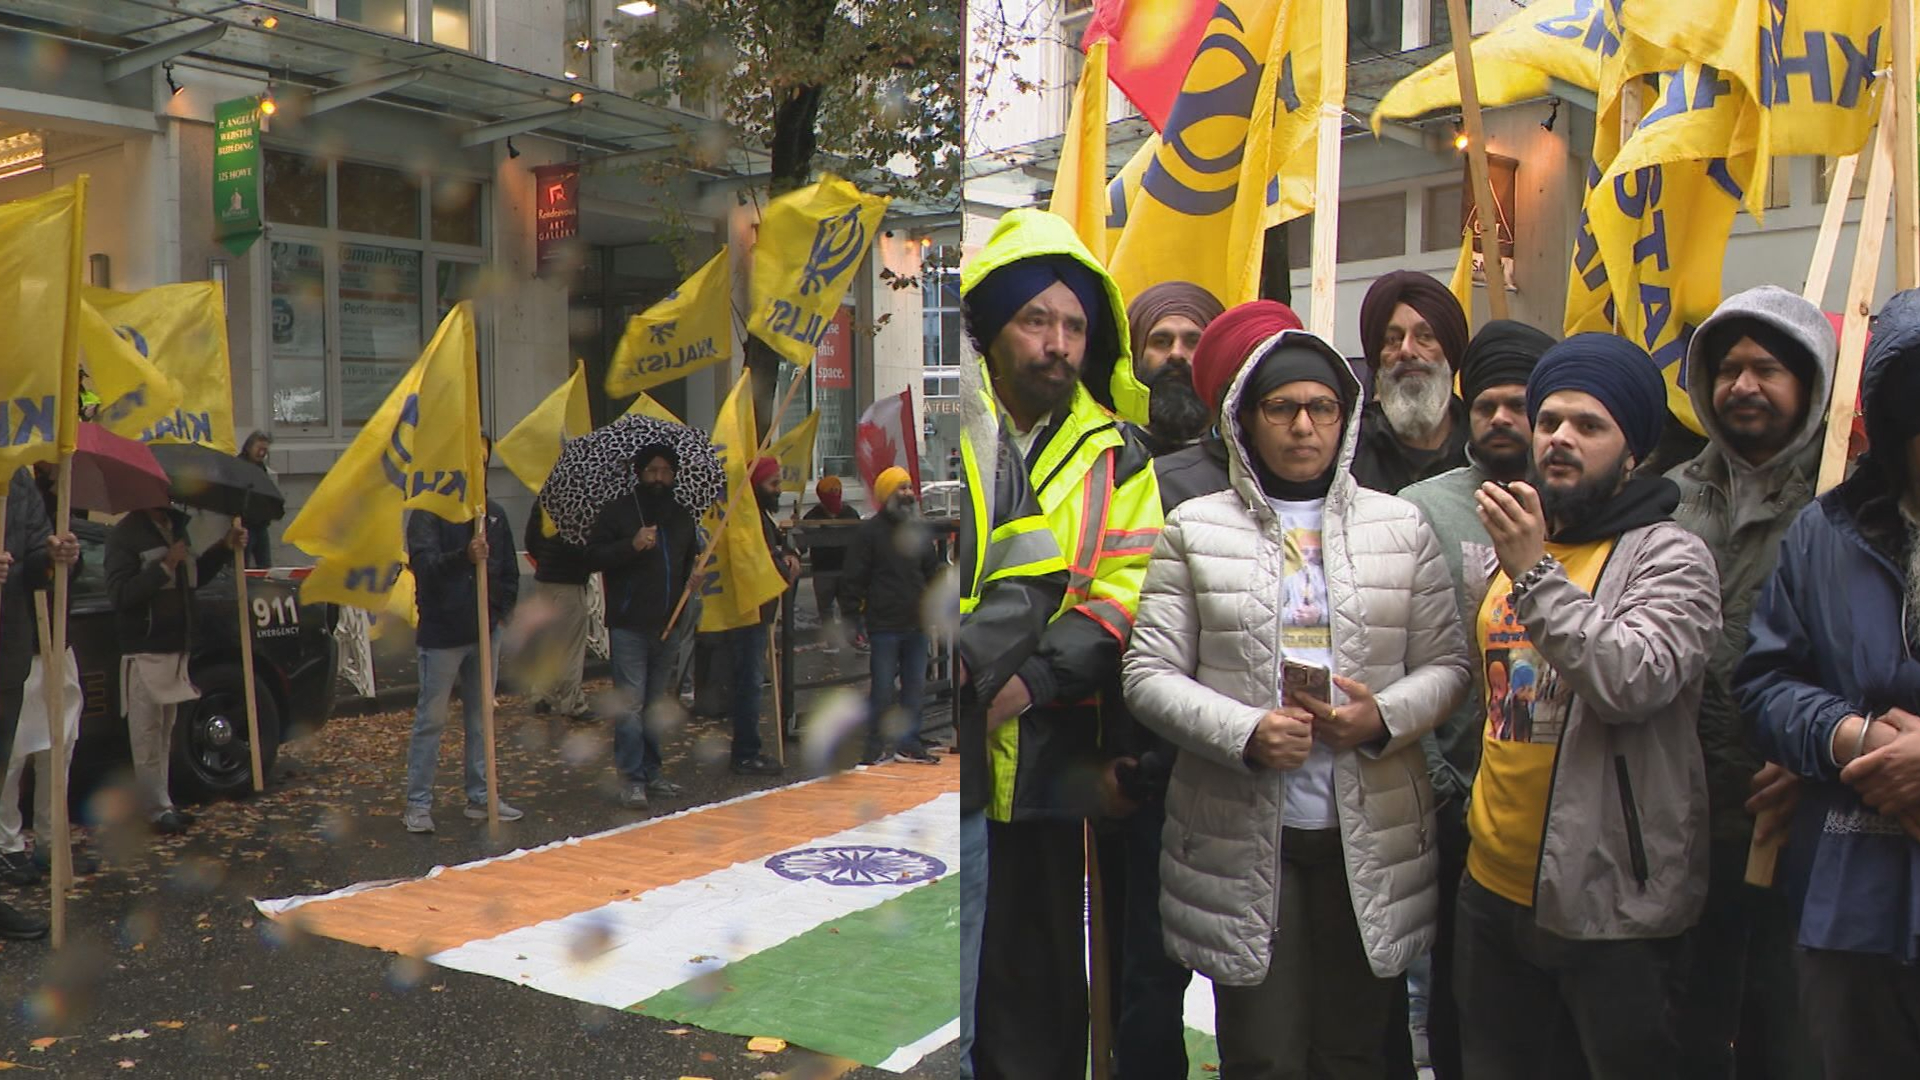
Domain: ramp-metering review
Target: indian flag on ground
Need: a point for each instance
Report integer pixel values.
(826, 913)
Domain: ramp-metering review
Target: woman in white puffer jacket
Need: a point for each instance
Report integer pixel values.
(1298, 862)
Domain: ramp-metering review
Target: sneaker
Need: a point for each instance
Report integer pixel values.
(478, 812)
(917, 755)
(186, 816)
(831, 650)
(170, 823)
(17, 868)
(83, 863)
(417, 819)
(583, 715)
(880, 758)
(757, 765)
(663, 788)
(16, 925)
(634, 796)
(541, 708)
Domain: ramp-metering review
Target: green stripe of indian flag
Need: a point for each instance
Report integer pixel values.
(628, 951)
(880, 986)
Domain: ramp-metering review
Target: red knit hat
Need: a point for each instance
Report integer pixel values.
(1229, 339)
(763, 468)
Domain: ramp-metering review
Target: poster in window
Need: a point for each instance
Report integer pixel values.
(379, 324)
(297, 328)
(834, 358)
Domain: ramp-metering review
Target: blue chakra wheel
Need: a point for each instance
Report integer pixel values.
(857, 864)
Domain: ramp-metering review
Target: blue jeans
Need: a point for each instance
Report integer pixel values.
(439, 669)
(898, 654)
(643, 672)
(747, 649)
(973, 917)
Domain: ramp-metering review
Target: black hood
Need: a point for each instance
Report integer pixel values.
(1645, 500)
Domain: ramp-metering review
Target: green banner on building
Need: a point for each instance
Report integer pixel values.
(236, 173)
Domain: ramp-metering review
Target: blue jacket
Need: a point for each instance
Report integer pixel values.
(444, 587)
(1828, 641)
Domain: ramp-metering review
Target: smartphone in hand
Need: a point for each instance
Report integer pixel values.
(1299, 677)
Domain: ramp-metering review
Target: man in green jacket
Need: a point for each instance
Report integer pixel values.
(1493, 383)
(1759, 371)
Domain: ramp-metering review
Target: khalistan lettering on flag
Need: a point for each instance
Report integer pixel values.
(182, 330)
(40, 245)
(811, 243)
(1515, 61)
(420, 452)
(690, 329)
(134, 394)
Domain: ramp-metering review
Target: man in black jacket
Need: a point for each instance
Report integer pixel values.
(828, 562)
(443, 555)
(28, 551)
(1414, 334)
(560, 573)
(644, 545)
(151, 579)
(888, 567)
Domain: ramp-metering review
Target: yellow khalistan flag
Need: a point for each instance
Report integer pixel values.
(1080, 187)
(134, 394)
(1200, 217)
(40, 245)
(531, 448)
(1515, 61)
(811, 242)
(182, 329)
(645, 405)
(1124, 190)
(742, 575)
(690, 329)
(420, 452)
(794, 452)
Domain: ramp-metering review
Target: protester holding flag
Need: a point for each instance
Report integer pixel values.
(1832, 686)
(1588, 857)
(827, 562)
(151, 580)
(1052, 330)
(1493, 383)
(1414, 334)
(1759, 372)
(443, 556)
(560, 574)
(747, 645)
(644, 547)
(890, 563)
(28, 552)
(1166, 321)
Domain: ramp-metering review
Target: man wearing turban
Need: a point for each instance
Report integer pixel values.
(1415, 335)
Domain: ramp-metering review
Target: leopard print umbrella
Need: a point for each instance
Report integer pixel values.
(597, 468)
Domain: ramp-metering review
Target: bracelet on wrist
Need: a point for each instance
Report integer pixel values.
(1860, 741)
(1534, 574)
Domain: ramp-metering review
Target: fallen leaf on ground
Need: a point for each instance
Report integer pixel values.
(45, 1041)
(126, 1063)
(171, 1025)
(136, 1033)
(766, 1044)
(675, 1031)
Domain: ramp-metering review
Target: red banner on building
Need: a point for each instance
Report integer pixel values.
(556, 207)
(833, 360)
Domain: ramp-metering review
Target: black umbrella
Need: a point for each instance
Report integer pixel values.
(597, 468)
(207, 479)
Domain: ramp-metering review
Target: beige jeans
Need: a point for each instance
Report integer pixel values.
(152, 686)
(560, 649)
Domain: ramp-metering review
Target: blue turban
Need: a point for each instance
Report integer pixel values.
(1613, 369)
(994, 300)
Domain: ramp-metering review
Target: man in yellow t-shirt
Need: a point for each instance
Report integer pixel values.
(1588, 816)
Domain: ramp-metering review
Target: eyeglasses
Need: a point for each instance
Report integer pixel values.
(1323, 411)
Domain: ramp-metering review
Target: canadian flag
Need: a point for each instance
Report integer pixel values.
(885, 437)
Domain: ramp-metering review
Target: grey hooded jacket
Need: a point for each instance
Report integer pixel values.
(1742, 511)
(1204, 667)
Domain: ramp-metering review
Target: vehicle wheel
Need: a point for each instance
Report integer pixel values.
(212, 758)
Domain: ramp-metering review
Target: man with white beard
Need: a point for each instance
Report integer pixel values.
(1414, 335)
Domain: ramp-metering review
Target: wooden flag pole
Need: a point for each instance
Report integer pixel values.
(1906, 151)
(481, 571)
(1839, 194)
(246, 662)
(773, 669)
(1326, 182)
(55, 685)
(1762, 857)
(1471, 121)
(56, 730)
(713, 542)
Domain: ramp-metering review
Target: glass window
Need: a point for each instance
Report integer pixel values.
(379, 324)
(1440, 221)
(1373, 27)
(296, 189)
(379, 200)
(297, 322)
(453, 23)
(576, 48)
(833, 395)
(387, 16)
(1373, 228)
(456, 212)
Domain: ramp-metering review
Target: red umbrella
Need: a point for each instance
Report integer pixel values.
(113, 475)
